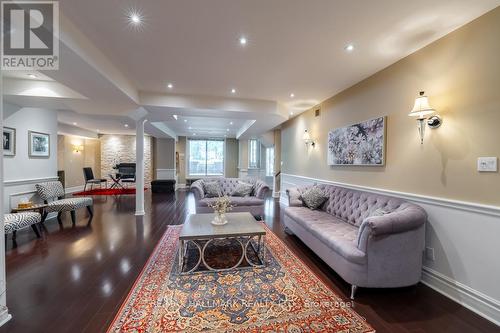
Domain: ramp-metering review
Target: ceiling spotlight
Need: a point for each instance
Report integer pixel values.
(126, 125)
(291, 113)
(185, 120)
(175, 116)
(243, 41)
(135, 18)
(230, 123)
(33, 76)
(349, 48)
(74, 124)
(194, 134)
(170, 86)
(292, 95)
(233, 91)
(227, 129)
(190, 127)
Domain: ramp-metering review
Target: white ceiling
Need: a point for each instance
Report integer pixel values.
(294, 46)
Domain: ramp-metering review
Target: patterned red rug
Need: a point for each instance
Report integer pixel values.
(107, 191)
(285, 296)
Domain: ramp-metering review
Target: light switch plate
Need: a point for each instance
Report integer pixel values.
(487, 164)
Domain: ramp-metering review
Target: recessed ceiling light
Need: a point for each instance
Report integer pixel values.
(170, 86)
(33, 76)
(227, 129)
(349, 48)
(292, 95)
(126, 125)
(175, 116)
(75, 123)
(194, 134)
(135, 18)
(233, 91)
(98, 130)
(243, 40)
(185, 120)
(291, 113)
(230, 123)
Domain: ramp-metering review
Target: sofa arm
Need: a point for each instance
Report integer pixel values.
(406, 219)
(294, 199)
(261, 189)
(198, 190)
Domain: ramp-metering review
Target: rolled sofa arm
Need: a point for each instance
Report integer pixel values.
(402, 220)
(198, 190)
(261, 189)
(294, 197)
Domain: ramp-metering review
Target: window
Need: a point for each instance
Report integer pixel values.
(253, 153)
(205, 157)
(270, 162)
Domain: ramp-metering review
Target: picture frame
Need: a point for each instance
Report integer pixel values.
(361, 144)
(39, 144)
(9, 141)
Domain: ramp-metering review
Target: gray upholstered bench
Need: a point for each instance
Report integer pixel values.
(17, 221)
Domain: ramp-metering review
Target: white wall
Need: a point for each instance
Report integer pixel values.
(21, 172)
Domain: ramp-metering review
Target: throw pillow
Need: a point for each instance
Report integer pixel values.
(212, 189)
(242, 190)
(314, 197)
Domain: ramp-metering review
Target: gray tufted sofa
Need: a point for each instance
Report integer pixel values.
(370, 240)
(253, 204)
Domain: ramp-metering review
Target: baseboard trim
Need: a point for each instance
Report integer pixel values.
(5, 316)
(469, 298)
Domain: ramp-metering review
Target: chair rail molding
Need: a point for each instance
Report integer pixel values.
(456, 271)
(16, 182)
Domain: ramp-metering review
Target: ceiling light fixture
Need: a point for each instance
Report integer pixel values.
(175, 116)
(233, 91)
(349, 48)
(227, 129)
(33, 76)
(135, 18)
(126, 125)
(190, 127)
(75, 123)
(230, 123)
(194, 134)
(292, 95)
(185, 120)
(243, 41)
(291, 113)
(170, 86)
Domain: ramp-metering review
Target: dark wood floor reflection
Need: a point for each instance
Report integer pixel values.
(75, 279)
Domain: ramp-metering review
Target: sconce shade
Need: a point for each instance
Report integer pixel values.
(306, 137)
(421, 109)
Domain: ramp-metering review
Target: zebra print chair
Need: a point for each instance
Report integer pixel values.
(17, 221)
(52, 193)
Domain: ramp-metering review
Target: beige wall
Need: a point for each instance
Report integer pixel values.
(73, 163)
(461, 75)
(121, 149)
(231, 158)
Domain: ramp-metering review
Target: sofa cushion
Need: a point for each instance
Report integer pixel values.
(68, 204)
(242, 190)
(333, 232)
(212, 189)
(314, 197)
(236, 201)
(16, 221)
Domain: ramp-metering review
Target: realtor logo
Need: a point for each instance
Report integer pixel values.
(30, 35)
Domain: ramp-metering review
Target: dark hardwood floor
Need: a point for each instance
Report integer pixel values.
(74, 279)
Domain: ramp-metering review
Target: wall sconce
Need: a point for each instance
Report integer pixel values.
(77, 148)
(422, 110)
(307, 139)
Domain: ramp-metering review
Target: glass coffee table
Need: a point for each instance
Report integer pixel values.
(241, 227)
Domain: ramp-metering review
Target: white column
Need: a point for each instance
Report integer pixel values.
(4, 312)
(139, 172)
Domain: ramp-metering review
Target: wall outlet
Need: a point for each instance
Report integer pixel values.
(429, 254)
(487, 164)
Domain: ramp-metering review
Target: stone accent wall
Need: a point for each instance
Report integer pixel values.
(121, 149)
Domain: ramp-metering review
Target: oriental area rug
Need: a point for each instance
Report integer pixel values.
(284, 296)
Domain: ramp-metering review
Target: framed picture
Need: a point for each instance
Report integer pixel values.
(358, 144)
(39, 144)
(9, 141)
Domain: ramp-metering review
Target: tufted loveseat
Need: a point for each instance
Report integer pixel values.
(253, 204)
(370, 240)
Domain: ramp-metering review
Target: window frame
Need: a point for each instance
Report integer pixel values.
(270, 166)
(251, 165)
(206, 174)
